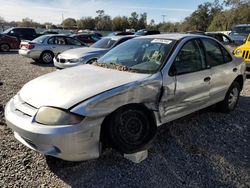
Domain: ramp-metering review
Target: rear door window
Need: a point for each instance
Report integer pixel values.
(57, 40)
(71, 41)
(213, 52)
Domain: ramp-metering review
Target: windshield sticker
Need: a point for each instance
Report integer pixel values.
(164, 41)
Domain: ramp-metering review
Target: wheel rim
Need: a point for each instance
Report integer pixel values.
(233, 98)
(133, 128)
(47, 57)
(5, 47)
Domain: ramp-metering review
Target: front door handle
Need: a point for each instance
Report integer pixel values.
(207, 79)
(235, 70)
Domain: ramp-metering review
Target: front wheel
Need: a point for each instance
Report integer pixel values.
(4, 47)
(47, 57)
(231, 100)
(130, 130)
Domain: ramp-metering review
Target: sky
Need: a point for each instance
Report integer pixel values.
(52, 10)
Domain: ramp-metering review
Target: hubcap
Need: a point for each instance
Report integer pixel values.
(4, 47)
(132, 129)
(233, 97)
(47, 57)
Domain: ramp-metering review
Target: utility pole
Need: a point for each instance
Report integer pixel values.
(163, 17)
(62, 20)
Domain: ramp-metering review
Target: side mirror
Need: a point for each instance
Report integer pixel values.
(172, 71)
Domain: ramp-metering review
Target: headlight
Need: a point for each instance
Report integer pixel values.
(76, 60)
(55, 116)
(238, 52)
(73, 60)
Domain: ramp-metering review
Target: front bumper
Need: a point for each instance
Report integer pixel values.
(34, 54)
(66, 64)
(71, 142)
(247, 68)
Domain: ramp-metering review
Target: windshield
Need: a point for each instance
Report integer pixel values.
(138, 55)
(40, 39)
(104, 43)
(241, 30)
(7, 31)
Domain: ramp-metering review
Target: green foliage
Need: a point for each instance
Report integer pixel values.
(27, 22)
(120, 23)
(209, 16)
(69, 22)
(86, 23)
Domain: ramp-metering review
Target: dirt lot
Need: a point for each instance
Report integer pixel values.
(204, 149)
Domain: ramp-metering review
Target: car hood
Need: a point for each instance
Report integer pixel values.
(68, 87)
(80, 52)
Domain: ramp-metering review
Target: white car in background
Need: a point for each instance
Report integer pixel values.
(87, 55)
(46, 47)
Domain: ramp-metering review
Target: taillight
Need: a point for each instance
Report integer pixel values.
(28, 46)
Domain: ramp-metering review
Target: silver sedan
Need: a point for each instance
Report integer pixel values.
(86, 55)
(46, 47)
(119, 101)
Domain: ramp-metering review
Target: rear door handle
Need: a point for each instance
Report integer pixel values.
(207, 79)
(235, 70)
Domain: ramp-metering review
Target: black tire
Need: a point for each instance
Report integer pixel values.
(231, 100)
(47, 57)
(130, 130)
(4, 47)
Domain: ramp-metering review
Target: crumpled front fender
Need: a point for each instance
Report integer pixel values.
(146, 91)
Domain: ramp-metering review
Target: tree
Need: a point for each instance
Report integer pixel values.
(133, 20)
(69, 22)
(103, 21)
(142, 22)
(120, 23)
(201, 18)
(86, 23)
(151, 24)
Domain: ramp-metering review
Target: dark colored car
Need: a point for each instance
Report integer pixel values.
(122, 33)
(8, 42)
(147, 32)
(49, 32)
(224, 39)
(22, 33)
(87, 39)
(240, 33)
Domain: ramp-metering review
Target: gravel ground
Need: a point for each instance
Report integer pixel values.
(204, 149)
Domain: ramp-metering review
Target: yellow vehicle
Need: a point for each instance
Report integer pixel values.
(244, 52)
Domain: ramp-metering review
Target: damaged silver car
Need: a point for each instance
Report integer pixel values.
(120, 100)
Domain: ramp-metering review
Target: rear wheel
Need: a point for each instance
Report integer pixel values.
(231, 100)
(130, 130)
(47, 57)
(4, 47)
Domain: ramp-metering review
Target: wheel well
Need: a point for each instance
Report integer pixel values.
(104, 137)
(239, 79)
(91, 59)
(47, 51)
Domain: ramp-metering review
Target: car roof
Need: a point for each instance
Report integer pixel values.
(59, 35)
(173, 36)
(119, 37)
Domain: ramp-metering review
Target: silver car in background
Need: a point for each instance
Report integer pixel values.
(46, 47)
(119, 101)
(86, 55)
